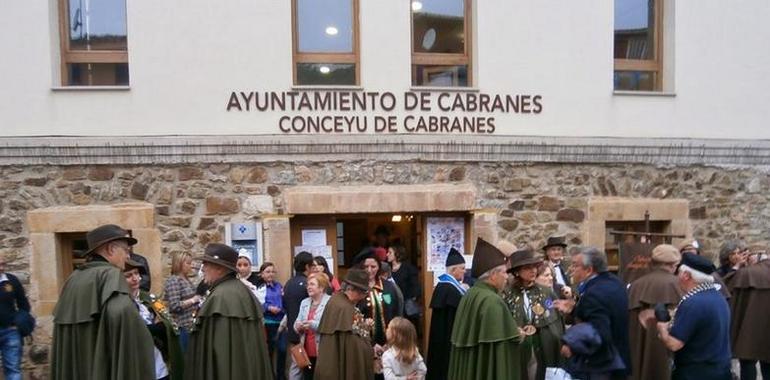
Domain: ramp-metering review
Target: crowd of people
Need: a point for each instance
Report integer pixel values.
(520, 313)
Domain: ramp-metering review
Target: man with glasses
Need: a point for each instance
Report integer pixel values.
(97, 332)
(603, 304)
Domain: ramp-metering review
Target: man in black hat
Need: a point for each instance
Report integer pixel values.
(446, 298)
(345, 351)
(484, 330)
(699, 335)
(98, 333)
(554, 249)
(227, 340)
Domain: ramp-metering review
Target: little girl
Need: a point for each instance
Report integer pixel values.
(402, 361)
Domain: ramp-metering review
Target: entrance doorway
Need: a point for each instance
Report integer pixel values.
(345, 235)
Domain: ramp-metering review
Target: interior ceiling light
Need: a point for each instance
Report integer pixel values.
(331, 30)
(416, 6)
(324, 69)
(396, 218)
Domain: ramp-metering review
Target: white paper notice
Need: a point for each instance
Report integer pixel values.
(313, 238)
(324, 251)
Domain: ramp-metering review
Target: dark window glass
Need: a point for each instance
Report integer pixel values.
(438, 26)
(97, 74)
(326, 74)
(635, 80)
(635, 29)
(440, 76)
(97, 24)
(325, 26)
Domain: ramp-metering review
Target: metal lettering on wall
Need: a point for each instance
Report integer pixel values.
(340, 111)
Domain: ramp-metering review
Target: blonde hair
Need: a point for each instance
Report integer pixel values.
(403, 339)
(177, 260)
(321, 278)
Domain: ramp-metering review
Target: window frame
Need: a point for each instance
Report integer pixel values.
(445, 59)
(83, 56)
(655, 65)
(353, 57)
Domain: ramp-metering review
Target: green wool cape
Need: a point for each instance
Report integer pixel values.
(485, 338)
(167, 340)
(97, 331)
(228, 336)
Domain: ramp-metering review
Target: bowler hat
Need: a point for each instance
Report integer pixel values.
(522, 258)
(102, 235)
(454, 258)
(554, 241)
(485, 257)
(358, 278)
(220, 254)
(699, 263)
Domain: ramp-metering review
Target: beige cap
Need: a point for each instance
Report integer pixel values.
(666, 253)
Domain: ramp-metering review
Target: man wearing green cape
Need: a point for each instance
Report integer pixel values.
(485, 337)
(227, 340)
(97, 331)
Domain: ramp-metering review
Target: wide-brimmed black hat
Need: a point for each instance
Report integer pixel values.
(554, 241)
(523, 257)
(102, 235)
(454, 258)
(699, 263)
(358, 278)
(220, 254)
(485, 257)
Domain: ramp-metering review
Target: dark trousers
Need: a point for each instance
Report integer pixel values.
(749, 369)
(276, 344)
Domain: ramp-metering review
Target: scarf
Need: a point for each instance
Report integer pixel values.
(446, 278)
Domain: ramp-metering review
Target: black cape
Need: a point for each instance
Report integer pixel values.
(444, 303)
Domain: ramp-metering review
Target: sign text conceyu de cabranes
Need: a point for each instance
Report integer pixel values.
(311, 112)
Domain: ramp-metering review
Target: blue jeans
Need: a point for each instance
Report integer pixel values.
(10, 349)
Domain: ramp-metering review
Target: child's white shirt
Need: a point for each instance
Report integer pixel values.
(394, 369)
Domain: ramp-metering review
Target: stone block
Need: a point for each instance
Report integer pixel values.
(38, 182)
(258, 205)
(516, 205)
(516, 184)
(10, 224)
(237, 175)
(257, 175)
(457, 174)
(222, 205)
(303, 174)
(508, 224)
(85, 218)
(190, 172)
(570, 215)
(207, 223)
(74, 174)
(100, 173)
(139, 191)
(547, 203)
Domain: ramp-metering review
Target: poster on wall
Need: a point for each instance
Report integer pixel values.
(444, 233)
(324, 251)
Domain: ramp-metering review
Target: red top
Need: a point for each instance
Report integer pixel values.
(310, 348)
(335, 285)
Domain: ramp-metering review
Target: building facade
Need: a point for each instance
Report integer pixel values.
(309, 120)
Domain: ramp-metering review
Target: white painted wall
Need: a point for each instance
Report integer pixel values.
(186, 56)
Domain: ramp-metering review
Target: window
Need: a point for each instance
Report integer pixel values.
(637, 45)
(94, 42)
(441, 43)
(325, 42)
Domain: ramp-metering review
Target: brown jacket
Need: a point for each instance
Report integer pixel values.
(750, 308)
(649, 357)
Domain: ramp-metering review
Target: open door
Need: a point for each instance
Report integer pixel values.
(315, 231)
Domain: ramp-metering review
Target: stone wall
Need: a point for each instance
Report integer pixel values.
(533, 201)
